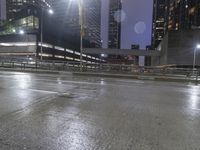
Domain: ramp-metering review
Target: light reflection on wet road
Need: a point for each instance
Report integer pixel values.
(79, 113)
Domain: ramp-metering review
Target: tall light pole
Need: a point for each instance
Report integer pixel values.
(50, 11)
(194, 59)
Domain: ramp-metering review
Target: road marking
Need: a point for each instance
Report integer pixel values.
(35, 90)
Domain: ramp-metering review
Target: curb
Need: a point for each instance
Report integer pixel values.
(30, 71)
(107, 75)
(138, 77)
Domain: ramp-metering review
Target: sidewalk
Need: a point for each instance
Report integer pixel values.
(30, 70)
(168, 78)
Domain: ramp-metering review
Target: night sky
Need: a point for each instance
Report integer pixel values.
(136, 22)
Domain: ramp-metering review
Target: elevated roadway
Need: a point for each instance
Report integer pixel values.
(135, 52)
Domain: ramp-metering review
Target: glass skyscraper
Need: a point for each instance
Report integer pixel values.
(14, 6)
(2, 11)
(160, 21)
(67, 13)
(114, 30)
(174, 15)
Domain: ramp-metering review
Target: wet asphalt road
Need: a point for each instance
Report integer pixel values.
(52, 112)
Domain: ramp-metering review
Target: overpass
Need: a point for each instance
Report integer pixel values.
(134, 52)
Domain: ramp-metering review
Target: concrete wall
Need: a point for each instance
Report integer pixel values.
(17, 49)
(178, 47)
(18, 44)
(181, 47)
(163, 47)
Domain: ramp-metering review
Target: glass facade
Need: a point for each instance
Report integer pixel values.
(114, 31)
(14, 6)
(174, 15)
(160, 13)
(2, 11)
(184, 14)
(28, 24)
(67, 13)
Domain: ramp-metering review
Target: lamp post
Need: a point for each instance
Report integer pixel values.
(50, 11)
(194, 58)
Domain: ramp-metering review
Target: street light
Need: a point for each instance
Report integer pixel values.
(21, 32)
(103, 55)
(51, 12)
(14, 30)
(194, 60)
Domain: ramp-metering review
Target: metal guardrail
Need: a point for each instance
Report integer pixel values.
(27, 64)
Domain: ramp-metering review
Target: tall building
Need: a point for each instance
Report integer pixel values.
(184, 14)
(20, 37)
(67, 12)
(2, 11)
(174, 15)
(114, 30)
(92, 21)
(14, 6)
(160, 21)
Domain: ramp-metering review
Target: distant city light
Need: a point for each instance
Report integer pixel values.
(103, 55)
(198, 46)
(21, 32)
(51, 11)
(13, 30)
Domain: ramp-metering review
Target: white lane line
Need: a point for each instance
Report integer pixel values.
(45, 91)
(35, 90)
(195, 109)
(88, 83)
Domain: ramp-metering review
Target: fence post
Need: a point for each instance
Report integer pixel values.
(35, 63)
(197, 76)
(63, 66)
(13, 64)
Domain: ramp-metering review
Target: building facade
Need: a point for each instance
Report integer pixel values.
(21, 37)
(114, 29)
(2, 11)
(178, 47)
(184, 14)
(160, 21)
(92, 21)
(67, 13)
(174, 15)
(14, 6)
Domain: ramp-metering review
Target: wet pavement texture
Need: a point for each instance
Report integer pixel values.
(53, 112)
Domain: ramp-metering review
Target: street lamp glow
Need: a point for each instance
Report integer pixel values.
(198, 46)
(21, 32)
(102, 55)
(51, 11)
(194, 59)
(13, 30)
